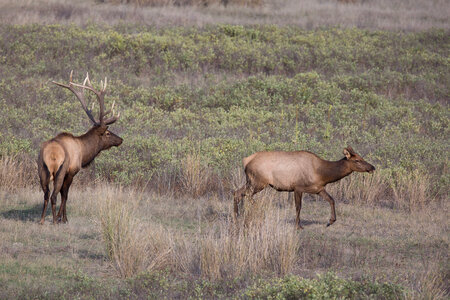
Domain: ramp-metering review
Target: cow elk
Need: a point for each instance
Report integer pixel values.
(62, 157)
(298, 172)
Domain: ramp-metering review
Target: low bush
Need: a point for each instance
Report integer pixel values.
(227, 91)
(327, 286)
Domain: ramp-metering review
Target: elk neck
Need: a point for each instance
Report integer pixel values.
(91, 146)
(332, 171)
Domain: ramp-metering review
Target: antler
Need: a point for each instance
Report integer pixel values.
(100, 97)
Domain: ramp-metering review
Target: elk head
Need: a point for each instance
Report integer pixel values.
(106, 138)
(357, 163)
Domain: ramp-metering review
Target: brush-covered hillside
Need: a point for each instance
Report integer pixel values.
(153, 217)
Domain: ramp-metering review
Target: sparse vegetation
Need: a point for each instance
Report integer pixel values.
(153, 218)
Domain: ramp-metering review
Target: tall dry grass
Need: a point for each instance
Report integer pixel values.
(131, 245)
(433, 283)
(412, 191)
(261, 242)
(234, 250)
(17, 172)
(361, 189)
(407, 191)
(195, 175)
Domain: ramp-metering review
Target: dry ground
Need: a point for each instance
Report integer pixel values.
(196, 238)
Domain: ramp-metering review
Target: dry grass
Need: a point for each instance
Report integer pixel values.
(141, 3)
(262, 243)
(411, 15)
(412, 191)
(408, 191)
(195, 176)
(116, 232)
(365, 189)
(17, 173)
(130, 244)
(434, 283)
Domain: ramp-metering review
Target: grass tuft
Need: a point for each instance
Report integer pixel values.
(131, 246)
(256, 247)
(195, 176)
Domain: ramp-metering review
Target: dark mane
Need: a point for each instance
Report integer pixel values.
(63, 134)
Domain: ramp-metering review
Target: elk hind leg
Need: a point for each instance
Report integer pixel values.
(62, 216)
(57, 185)
(44, 177)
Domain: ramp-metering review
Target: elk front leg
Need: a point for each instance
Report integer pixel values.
(327, 197)
(298, 208)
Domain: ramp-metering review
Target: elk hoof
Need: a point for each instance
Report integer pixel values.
(330, 222)
(299, 227)
(41, 222)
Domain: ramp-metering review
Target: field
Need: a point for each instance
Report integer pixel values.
(153, 217)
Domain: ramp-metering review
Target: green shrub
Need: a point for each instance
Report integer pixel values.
(328, 286)
(229, 91)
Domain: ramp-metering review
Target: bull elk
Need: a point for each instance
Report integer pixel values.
(298, 172)
(62, 157)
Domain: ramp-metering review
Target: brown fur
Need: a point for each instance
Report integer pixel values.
(298, 172)
(62, 157)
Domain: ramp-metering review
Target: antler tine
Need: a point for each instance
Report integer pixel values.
(79, 95)
(113, 118)
(86, 79)
(100, 97)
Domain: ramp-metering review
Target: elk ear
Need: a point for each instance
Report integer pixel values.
(347, 153)
(350, 149)
(102, 129)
